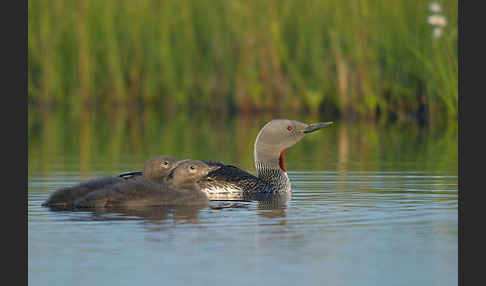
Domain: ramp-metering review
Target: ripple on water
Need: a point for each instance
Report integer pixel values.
(405, 217)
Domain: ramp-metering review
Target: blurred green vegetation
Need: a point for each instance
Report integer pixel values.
(351, 58)
(88, 142)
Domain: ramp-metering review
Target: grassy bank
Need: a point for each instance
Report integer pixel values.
(364, 58)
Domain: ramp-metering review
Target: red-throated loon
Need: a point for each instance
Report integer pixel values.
(231, 183)
(155, 169)
(179, 189)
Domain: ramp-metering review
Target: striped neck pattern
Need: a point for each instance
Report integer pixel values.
(275, 179)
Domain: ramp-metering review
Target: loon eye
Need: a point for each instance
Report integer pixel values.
(289, 128)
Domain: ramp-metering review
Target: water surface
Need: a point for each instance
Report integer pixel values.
(370, 205)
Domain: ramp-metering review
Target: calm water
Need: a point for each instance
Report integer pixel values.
(370, 205)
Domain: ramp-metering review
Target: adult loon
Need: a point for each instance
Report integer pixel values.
(231, 183)
(155, 169)
(180, 189)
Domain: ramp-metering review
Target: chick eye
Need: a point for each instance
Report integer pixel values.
(289, 128)
(192, 167)
(165, 163)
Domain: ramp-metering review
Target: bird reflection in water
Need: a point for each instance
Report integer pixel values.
(268, 206)
(274, 206)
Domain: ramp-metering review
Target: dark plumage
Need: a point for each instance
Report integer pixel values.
(156, 169)
(229, 176)
(64, 197)
(181, 188)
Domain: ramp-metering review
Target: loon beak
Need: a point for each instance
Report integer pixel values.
(316, 126)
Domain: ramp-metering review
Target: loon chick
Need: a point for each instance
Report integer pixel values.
(155, 169)
(180, 189)
(231, 183)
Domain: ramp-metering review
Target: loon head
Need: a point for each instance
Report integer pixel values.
(188, 172)
(158, 168)
(277, 136)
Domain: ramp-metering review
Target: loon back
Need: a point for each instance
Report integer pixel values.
(230, 183)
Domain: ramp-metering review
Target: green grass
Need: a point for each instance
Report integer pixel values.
(351, 57)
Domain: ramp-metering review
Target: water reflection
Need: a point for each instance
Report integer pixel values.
(353, 226)
(179, 214)
(370, 205)
(273, 206)
(269, 207)
(86, 141)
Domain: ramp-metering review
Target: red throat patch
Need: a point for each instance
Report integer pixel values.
(281, 160)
